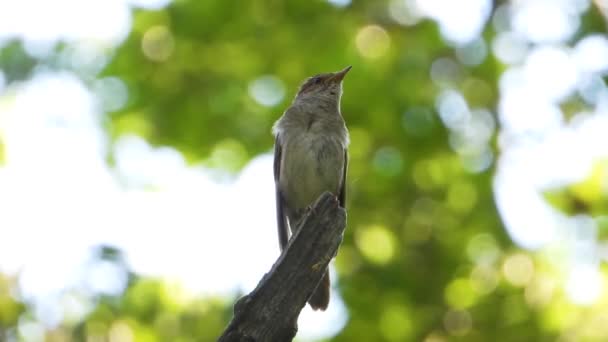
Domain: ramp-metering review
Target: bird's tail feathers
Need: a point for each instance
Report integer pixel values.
(320, 297)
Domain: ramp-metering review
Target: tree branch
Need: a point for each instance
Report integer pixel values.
(270, 312)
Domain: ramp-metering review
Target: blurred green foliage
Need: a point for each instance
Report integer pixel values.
(585, 197)
(425, 256)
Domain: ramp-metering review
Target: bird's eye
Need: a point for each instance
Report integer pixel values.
(316, 80)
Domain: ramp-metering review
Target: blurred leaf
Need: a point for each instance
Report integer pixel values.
(589, 196)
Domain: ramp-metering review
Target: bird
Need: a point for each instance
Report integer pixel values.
(310, 158)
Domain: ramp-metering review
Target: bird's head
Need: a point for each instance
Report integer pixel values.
(326, 87)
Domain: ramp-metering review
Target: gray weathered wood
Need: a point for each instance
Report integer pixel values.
(270, 312)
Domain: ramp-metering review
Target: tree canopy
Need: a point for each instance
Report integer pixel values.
(427, 254)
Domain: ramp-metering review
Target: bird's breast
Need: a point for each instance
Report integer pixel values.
(312, 164)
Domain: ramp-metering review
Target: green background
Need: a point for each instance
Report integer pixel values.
(419, 221)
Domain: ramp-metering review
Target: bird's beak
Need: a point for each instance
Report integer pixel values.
(339, 76)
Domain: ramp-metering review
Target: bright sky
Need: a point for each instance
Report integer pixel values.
(56, 184)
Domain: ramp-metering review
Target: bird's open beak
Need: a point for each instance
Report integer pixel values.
(339, 76)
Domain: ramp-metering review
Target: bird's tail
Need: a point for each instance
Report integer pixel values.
(320, 298)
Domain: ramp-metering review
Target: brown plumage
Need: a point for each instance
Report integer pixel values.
(311, 157)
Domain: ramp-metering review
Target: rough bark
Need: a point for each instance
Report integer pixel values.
(270, 312)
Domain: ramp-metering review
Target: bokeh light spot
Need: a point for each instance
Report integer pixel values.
(478, 162)
(540, 291)
(518, 269)
(112, 92)
(267, 90)
(584, 285)
(339, 3)
(106, 278)
(483, 249)
(75, 306)
(473, 53)
(435, 337)
(596, 328)
(446, 72)
(86, 57)
(462, 197)
(157, 43)
(591, 53)
(453, 109)
(457, 322)
(418, 121)
(395, 323)
(228, 154)
(550, 72)
(592, 89)
(459, 21)
(31, 331)
(518, 111)
(484, 279)
(150, 4)
(558, 24)
(376, 243)
(459, 293)
(509, 48)
(121, 332)
(388, 161)
(404, 12)
(372, 41)
(436, 172)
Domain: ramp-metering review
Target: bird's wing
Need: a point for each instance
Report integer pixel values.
(281, 218)
(342, 194)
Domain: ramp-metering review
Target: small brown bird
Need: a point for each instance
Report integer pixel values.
(310, 157)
